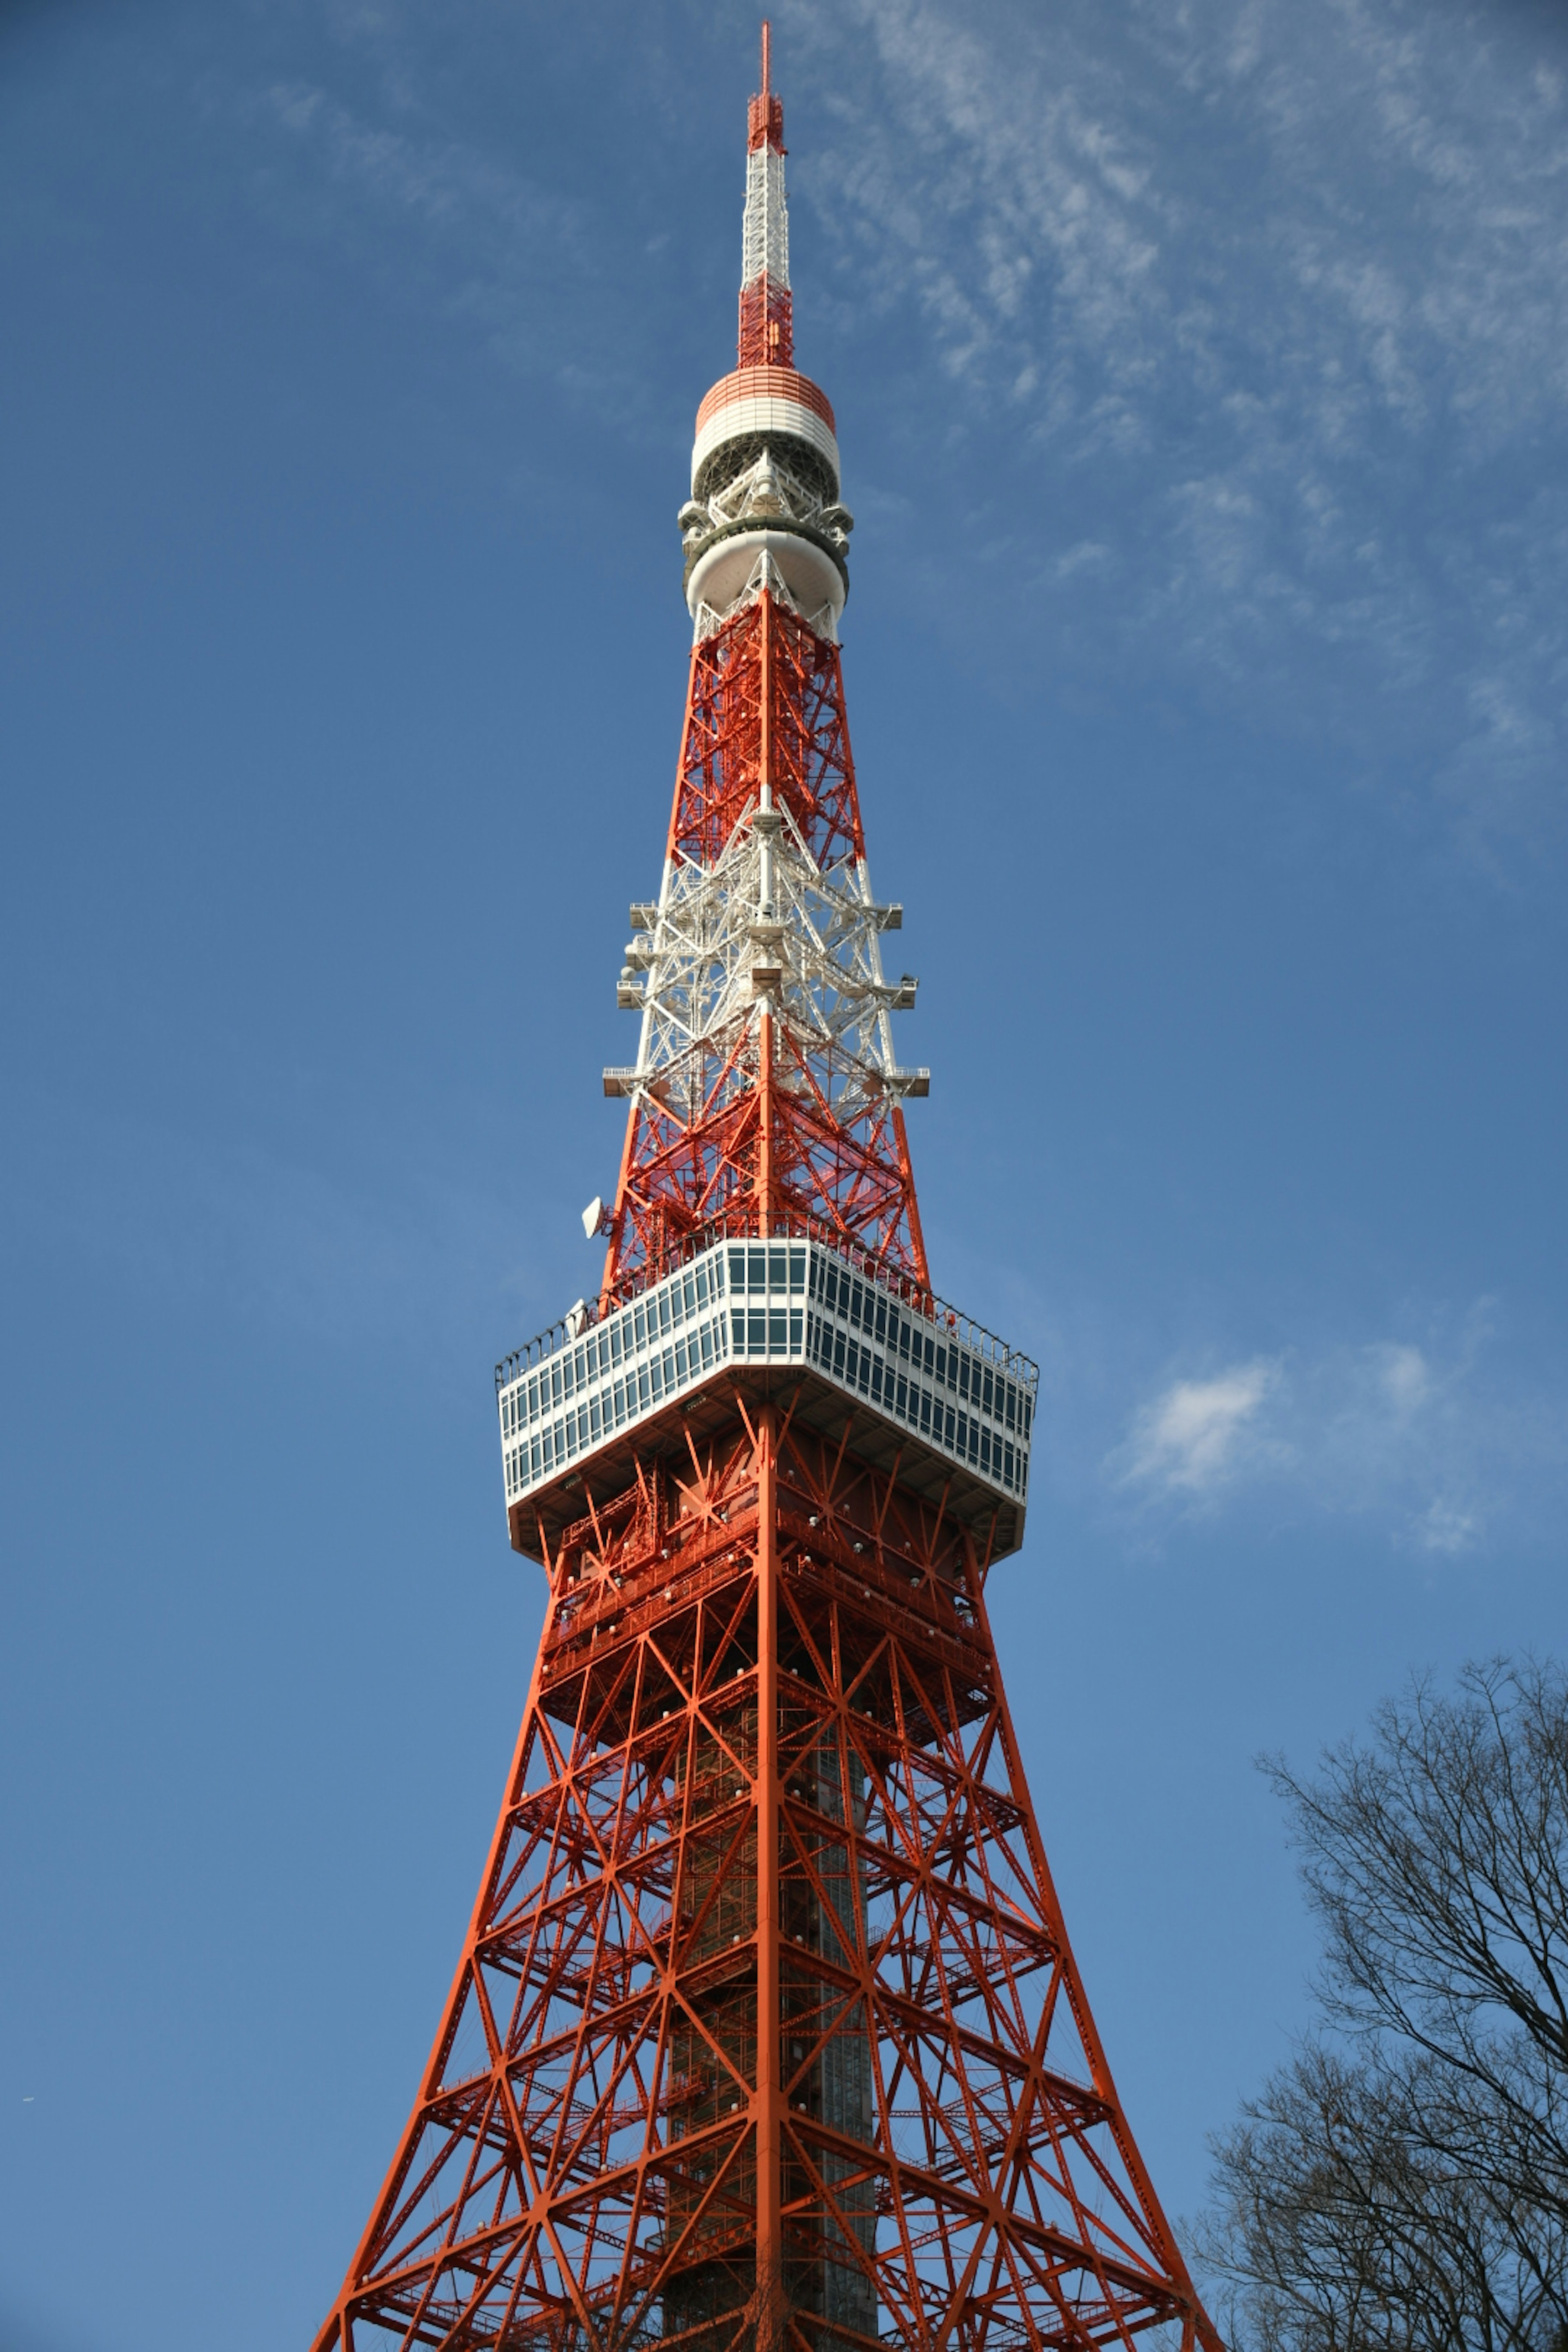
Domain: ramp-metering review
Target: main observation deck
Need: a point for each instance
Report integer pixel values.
(854, 1351)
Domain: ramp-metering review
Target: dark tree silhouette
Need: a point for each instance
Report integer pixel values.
(1403, 2183)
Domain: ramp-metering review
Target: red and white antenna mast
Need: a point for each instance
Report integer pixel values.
(766, 2035)
(767, 338)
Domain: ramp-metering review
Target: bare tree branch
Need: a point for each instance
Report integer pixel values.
(1404, 2182)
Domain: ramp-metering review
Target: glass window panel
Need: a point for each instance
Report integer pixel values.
(778, 1330)
(737, 1269)
(797, 1269)
(796, 1327)
(778, 1268)
(757, 1331)
(756, 1269)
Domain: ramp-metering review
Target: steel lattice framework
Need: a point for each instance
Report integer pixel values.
(766, 2035)
(766, 1085)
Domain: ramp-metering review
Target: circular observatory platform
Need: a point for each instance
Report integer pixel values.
(765, 479)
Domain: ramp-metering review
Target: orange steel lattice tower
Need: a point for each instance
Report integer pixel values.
(766, 2032)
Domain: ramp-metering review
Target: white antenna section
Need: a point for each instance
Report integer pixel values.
(765, 237)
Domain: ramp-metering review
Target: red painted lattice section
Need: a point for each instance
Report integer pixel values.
(765, 693)
(767, 2036)
(766, 333)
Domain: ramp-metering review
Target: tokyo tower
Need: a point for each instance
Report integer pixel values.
(766, 2032)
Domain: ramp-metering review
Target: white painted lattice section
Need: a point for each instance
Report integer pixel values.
(766, 928)
(764, 236)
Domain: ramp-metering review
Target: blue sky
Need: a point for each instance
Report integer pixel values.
(1200, 371)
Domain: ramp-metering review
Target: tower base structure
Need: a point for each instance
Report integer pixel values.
(767, 2031)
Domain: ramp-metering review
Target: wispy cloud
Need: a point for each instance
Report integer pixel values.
(1195, 1436)
(1272, 302)
(1240, 326)
(1428, 1439)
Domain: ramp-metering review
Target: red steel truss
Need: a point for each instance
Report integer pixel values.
(766, 2035)
(758, 1122)
(767, 2031)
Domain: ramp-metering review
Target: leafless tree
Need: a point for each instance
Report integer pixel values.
(1402, 2185)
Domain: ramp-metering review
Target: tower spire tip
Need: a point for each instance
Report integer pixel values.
(766, 330)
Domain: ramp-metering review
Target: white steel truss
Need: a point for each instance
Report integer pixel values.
(764, 236)
(765, 928)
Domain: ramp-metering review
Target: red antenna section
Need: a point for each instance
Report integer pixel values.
(766, 2034)
(767, 325)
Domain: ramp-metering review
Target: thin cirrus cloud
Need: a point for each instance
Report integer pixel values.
(1199, 1434)
(1240, 328)
(1270, 303)
(1426, 1440)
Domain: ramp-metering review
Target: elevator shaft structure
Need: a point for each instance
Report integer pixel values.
(766, 2034)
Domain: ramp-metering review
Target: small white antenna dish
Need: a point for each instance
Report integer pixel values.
(576, 1318)
(591, 1216)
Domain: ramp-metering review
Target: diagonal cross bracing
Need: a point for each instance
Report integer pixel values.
(766, 2034)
